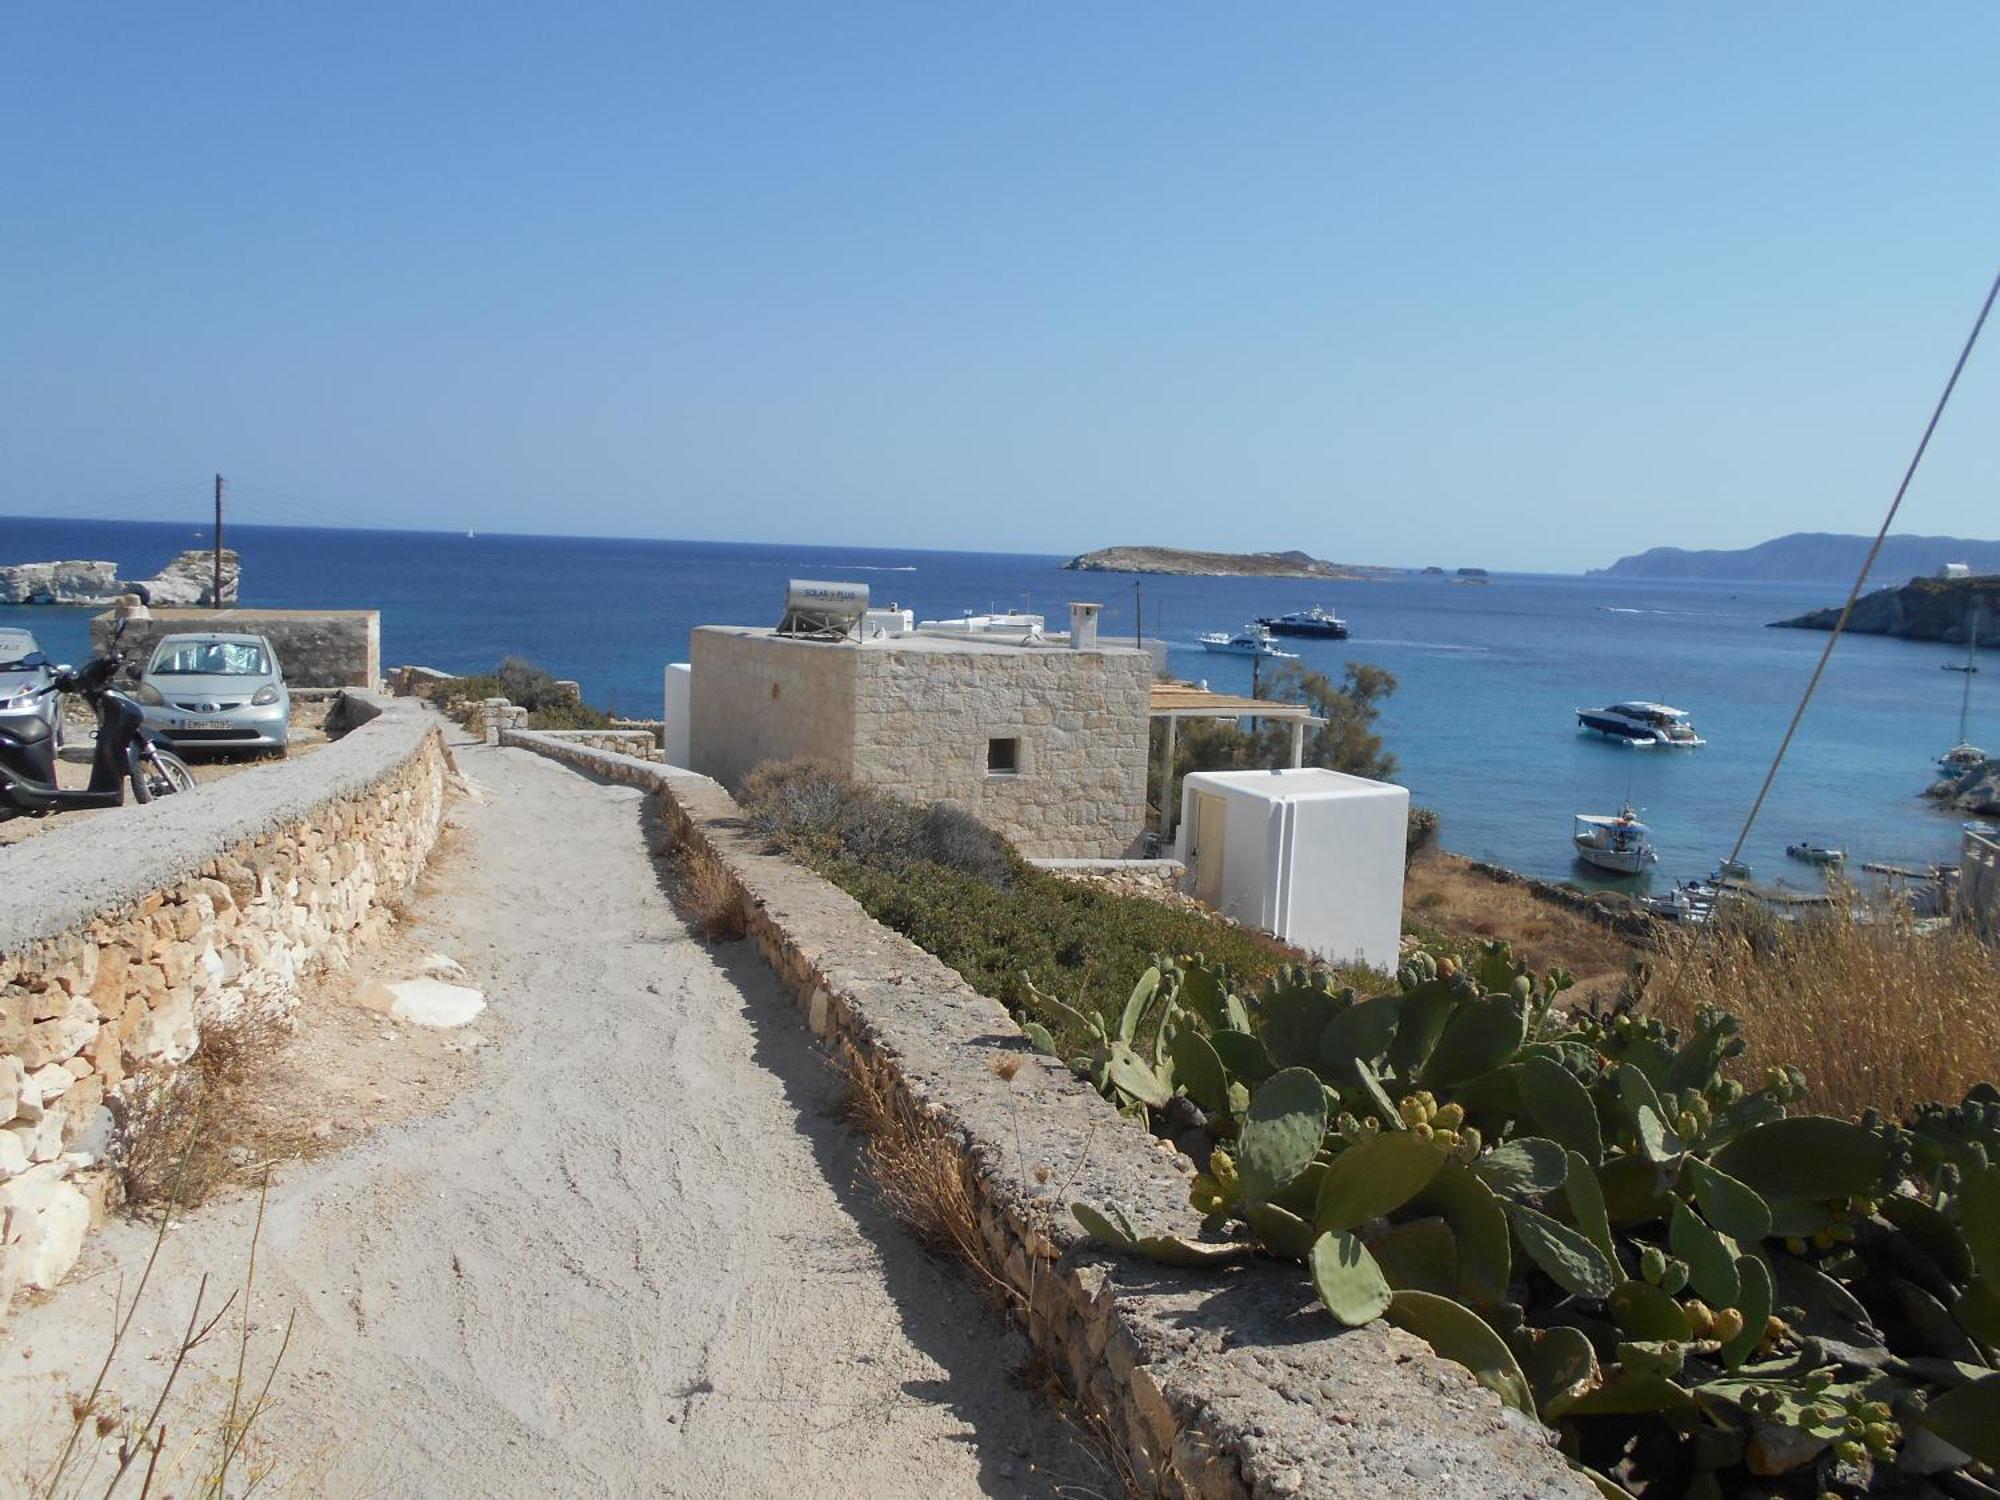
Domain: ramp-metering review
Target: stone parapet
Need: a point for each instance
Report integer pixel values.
(1213, 1385)
(123, 936)
(316, 647)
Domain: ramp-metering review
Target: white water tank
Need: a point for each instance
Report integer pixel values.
(1311, 856)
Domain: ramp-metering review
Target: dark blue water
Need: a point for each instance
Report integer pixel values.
(1482, 724)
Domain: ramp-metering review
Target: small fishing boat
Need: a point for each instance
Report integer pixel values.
(1621, 844)
(1320, 624)
(1640, 722)
(1816, 854)
(1731, 869)
(1251, 640)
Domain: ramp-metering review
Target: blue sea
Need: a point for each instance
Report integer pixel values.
(1482, 723)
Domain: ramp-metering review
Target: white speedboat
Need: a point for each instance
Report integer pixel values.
(1621, 844)
(1640, 722)
(1251, 640)
(1816, 854)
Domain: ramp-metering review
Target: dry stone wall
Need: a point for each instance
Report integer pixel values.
(1214, 1386)
(122, 937)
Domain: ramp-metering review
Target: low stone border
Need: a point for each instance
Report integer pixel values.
(123, 935)
(1608, 910)
(1221, 1385)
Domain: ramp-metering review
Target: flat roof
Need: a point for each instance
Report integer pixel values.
(925, 644)
(1292, 783)
(1180, 700)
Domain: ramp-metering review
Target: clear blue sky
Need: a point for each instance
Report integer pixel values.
(1524, 285)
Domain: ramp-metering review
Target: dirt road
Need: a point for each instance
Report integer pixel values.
(629, 1258)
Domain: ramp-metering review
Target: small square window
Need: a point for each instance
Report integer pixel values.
(1003, 757)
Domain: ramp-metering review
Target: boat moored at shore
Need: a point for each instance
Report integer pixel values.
(1620, 844)
(1638, 721)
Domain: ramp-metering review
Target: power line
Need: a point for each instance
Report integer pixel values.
(1861, 577)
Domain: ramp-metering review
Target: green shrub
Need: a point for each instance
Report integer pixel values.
(550, 704)
(959, 891)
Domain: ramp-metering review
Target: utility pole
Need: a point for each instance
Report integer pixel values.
(215, 600)
(1138, 616)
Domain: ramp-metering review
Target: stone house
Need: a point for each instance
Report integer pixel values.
(1041, 739)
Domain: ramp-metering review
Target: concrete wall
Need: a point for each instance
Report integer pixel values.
(915, 716)
(123, 936)
(316, 647)
(1211, 1385)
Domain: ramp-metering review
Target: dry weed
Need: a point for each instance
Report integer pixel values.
(1877, 1013)
(182, 1130)
(710, 896)
(921, 1175)
(110, 1449)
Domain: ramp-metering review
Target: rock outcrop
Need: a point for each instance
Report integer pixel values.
(1975, 791)
(185, 582)
(1924, 609)
(189, 580)
(1213, 564)
(59, 583)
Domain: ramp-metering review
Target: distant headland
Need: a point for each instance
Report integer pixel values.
(1808, 557)
(1924, 609)
(1217, 564)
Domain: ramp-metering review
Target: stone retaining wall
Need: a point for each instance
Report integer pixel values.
(1221, 1386)
(123, 935)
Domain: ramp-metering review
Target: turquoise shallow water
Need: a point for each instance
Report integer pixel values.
(1483, 723)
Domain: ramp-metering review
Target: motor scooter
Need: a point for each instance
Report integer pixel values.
(126, 752)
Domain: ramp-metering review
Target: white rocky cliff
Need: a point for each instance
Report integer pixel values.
(187, 580)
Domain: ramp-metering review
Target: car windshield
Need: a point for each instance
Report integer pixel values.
(209, 659)
(18, 652)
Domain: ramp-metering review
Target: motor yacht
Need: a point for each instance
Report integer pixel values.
(1640, 722)
(1317, 623)
(1251, 640)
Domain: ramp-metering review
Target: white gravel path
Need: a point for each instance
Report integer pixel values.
(630, 1258)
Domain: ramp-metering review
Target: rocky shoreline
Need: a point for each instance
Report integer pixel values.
(1184, 563)
(1924, 609)
(186, 582)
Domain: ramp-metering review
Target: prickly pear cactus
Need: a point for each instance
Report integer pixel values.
(1609, 1221)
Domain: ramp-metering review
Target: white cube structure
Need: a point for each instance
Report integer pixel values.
(675, 714)
(1311, 856)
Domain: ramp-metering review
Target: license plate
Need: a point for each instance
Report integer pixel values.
(206, 724)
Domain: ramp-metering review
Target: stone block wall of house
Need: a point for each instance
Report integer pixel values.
(1044, 744)
(755, 697)
(925, 723)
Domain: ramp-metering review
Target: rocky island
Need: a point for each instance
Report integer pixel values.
(186, 582)
(1924, 609)
(1215, 564)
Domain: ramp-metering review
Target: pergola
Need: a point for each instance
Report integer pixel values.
(1174, 701)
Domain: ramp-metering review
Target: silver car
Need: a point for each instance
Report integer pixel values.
(24, 673)
(216, 690)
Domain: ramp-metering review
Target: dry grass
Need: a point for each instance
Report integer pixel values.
(1876, 1013)
(922, 1176)
(110, 1448)
(1446, 901)
(183, 1130)
(709, 896)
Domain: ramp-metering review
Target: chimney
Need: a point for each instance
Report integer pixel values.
(1083, 626)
